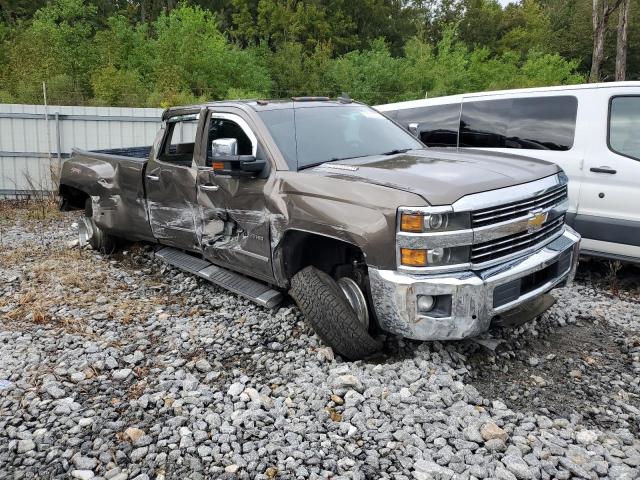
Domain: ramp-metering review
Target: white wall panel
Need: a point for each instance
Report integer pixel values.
(25, 146)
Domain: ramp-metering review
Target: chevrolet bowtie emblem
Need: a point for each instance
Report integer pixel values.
(536, 220)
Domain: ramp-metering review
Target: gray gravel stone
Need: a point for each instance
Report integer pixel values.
(122, 374)
(25, 446)
(226, 389)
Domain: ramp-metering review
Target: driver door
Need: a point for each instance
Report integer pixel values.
(235, 221)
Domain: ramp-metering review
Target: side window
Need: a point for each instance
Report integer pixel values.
(536, 123)
(484, 124)
(624, 125)
(437, 125)
(180, 140)
(226, 128)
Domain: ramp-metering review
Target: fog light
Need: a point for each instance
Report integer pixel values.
(426, 303)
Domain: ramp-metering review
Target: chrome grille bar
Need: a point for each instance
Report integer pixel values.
(503, 246)
(489, 216)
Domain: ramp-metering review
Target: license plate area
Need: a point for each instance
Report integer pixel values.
(513, 290)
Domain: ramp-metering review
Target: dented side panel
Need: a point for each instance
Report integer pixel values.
(115, 186)
(173, 208)
(361, 214)
(235, 223)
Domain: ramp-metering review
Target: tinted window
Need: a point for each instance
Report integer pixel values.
(437, 125)
(624, 125)
(538, 123)
(312, 135)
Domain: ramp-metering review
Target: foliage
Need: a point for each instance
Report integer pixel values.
(161, 52)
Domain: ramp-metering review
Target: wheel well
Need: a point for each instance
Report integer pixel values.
(303, 249)
(72, 198)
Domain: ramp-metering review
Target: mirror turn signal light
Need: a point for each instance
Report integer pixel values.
(411, 223)
(410, 257)
(218, 165)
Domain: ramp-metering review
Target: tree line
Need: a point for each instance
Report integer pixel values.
(165, 52)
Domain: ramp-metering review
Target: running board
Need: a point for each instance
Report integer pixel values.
(253, 290)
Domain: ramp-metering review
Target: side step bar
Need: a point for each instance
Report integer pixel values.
(232, 281)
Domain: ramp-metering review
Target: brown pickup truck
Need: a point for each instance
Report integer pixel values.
(366, 228)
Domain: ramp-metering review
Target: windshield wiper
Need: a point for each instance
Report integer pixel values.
(396, 151)
(335, 159)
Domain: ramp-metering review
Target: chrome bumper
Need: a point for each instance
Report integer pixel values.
(472, 293)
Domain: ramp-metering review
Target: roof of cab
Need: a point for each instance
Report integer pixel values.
(262, 105)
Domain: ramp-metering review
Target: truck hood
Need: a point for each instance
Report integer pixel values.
(442, 176)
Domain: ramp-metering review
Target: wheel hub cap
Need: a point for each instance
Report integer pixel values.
(356, 299)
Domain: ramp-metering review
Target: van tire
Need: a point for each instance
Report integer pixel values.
(99, 240)
(329, 313)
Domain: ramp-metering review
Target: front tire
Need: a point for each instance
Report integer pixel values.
(94, 235)
(330, 314)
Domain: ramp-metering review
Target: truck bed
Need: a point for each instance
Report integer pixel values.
(130, 152)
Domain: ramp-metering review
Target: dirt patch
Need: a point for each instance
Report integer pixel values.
(578, 369)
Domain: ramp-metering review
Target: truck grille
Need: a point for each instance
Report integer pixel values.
(509, 211)
(500, 247)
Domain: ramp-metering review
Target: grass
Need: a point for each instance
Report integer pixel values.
(57, 276)
(41, 209)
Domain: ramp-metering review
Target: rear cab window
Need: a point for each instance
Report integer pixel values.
(624, 125)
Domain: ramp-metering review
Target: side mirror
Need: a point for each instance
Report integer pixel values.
(226, 161)
(224, 146)
(414, 129)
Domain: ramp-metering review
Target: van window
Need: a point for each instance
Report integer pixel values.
(537, 123)
(624, 125)
(437, 124)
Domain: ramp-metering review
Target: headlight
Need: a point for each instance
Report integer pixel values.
(434, 222)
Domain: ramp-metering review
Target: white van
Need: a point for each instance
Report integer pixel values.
(592, 131)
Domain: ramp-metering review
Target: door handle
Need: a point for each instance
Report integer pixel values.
(608, 170)
(210, 188)
(153, 178)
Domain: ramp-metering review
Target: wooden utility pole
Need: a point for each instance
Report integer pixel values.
(601, 11)
(622, 44)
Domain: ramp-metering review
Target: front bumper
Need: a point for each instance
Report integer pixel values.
(476, 297)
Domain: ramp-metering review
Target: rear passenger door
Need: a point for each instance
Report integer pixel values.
(542, 127)
(170, 182)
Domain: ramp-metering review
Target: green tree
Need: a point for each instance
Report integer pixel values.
(372, 76)
(192, 55)
(526, 26)
(55, 48)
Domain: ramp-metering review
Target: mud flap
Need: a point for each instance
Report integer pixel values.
(525, 312)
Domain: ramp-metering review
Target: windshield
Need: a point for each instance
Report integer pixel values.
(309, 136)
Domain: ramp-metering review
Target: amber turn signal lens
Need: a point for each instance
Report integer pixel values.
(411, 223)
(218, 165)
(413, 258)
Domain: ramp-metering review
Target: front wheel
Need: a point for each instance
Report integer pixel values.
(341, 322)
(90, 233)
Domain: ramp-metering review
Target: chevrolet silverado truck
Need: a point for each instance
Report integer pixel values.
(368, 230)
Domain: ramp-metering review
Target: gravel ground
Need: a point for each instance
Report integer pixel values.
(121, 367)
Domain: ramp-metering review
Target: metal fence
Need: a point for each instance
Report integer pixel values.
(34, 140)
